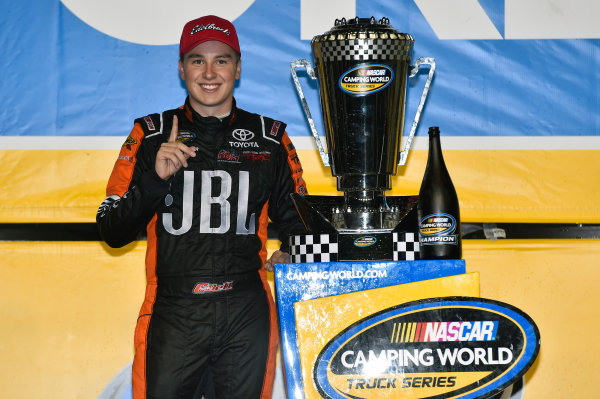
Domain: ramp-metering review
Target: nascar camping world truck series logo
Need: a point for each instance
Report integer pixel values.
(366, 79)
(454, 347)
(439, 228)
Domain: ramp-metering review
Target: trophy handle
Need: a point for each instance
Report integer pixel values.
(311, 73)
(414, 69)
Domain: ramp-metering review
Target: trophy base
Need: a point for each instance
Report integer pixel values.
(330, 240)
(328, 214)
(337, 247)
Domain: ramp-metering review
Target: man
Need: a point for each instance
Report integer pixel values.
(203, 180)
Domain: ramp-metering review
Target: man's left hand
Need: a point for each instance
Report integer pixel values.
(277, 257)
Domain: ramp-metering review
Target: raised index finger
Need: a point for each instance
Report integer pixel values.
(174, 130)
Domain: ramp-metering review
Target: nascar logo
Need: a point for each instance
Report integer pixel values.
(437, 225)
(365, 241)
(366, 79)
(447, 347)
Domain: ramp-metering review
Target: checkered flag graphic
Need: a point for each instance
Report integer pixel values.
(406, 246)
(313, 248)
(364, 49)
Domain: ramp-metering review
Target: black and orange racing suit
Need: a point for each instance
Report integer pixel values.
(208, 317)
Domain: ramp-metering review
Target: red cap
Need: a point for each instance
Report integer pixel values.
(209, 27)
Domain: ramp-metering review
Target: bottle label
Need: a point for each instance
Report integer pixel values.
(438, 228)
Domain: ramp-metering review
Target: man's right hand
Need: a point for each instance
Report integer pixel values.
(172, 155)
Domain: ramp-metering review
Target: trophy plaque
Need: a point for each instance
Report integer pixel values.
(362, 67)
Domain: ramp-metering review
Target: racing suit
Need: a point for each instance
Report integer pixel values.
(207, 325)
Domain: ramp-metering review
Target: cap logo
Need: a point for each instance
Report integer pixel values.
(211, 26)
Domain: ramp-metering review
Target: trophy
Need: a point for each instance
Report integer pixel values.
(362, 67)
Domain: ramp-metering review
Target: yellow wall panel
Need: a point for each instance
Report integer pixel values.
(68, 311)
(498, 186)
(557, 186)
(57, 186)
(556, 283)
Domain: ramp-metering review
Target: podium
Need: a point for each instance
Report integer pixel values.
(296, 284)
(355, 329)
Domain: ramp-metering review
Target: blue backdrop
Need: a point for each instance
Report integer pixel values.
(62, 77)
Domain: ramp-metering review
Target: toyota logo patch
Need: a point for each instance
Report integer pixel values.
(242, 135)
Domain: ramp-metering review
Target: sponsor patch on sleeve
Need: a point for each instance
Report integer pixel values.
(275, 128)
(129, 142)
(149, 123)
